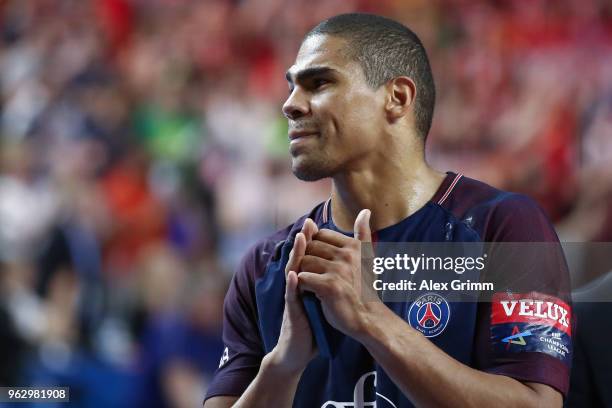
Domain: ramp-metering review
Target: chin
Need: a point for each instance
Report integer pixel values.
(307, 170)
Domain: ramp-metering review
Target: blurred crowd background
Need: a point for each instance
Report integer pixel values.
(142, 150)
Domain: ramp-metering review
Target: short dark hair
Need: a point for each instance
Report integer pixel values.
(386, 49)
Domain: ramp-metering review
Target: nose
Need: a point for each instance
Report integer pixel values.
(296, 105)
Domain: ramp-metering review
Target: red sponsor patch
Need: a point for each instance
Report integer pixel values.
(534, 308)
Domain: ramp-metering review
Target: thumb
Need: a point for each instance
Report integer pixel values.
(362, 226)
(364, 234)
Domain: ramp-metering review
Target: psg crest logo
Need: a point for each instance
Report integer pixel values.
(429, 314)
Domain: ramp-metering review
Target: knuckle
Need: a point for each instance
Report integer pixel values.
(310, 248)
(347, 256)
(331, 284)
(307, 263)
(334, 288)
(337, 267)
(346, 270)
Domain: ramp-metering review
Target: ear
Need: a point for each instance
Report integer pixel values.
(401, 92)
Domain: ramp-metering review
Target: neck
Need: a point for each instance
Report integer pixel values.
(391, 191)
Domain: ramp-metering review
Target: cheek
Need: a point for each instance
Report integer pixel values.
(362, 119)
(349, 118)
(329, 113)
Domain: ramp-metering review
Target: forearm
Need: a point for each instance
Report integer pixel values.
(431, 378)
(272, 387)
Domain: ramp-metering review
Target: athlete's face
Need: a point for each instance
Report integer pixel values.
(334, 117)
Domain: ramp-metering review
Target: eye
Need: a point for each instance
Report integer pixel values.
(319, 82)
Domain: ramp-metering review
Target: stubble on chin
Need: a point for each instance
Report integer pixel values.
(310, 169)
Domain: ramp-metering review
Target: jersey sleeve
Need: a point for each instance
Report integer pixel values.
(524, 330)
(243, 348)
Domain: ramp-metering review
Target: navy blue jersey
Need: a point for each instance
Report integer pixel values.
(484, 335)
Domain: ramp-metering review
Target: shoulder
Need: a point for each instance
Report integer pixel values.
(469, 194)
(498, 215)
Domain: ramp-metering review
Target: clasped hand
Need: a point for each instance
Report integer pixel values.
(333, 268)
(330, 265)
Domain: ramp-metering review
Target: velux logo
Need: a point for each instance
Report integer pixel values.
(533, 308)
(536, 308)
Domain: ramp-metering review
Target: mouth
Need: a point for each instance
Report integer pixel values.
(296, 135)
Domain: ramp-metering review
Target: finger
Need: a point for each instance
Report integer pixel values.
(332, 237)
(315, 264)
(362, 226)
(298, 251)
(309, 229)
(292, 305)
(322, 250)
(291, 289)
(314, 282)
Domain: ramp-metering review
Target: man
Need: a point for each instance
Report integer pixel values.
(360, 107)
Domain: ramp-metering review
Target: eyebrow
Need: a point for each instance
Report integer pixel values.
(308, 73)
